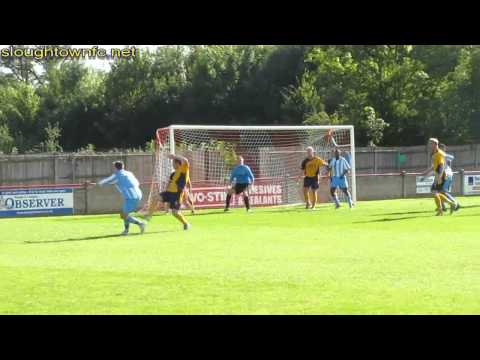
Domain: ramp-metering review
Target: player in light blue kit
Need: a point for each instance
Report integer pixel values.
(241, 179)
(128, 185)
(339, 168)
(447, 183)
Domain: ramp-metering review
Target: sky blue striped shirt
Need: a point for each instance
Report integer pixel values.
(338, 167)
(448, 164)
(126, 183)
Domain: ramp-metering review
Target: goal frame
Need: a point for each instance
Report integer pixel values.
(172, 128)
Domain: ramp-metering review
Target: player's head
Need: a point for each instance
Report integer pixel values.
(310, 151)
(337, 153)
(434, 144)
(177, 163)
(240, 160)
(443, 147)
(118, 165)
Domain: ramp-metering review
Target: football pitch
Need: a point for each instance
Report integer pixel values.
(384, 257)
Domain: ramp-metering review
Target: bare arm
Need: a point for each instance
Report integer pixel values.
(347, 167)
(334, 142)
(302, 171)
(183, 159)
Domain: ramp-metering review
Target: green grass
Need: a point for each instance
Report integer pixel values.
(384, 257)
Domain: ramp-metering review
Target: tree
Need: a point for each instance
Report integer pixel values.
(6, 140)
(372, 125)
(52, 136)
(19, 105)
(73, 97)
(438, 60)
(282, 68)
(31, 67)
(392, 94)
(349, 79)
(143, 94)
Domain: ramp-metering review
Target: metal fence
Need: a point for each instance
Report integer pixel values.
(411, 159)
(69, 168)
(41, 169)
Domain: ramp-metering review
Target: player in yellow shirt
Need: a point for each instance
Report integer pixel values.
(172, 197)
(311, 170)
(438, 167)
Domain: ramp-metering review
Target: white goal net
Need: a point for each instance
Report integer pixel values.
(274, 153)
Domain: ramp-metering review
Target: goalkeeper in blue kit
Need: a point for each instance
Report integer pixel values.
(241, 179)
(128, 185)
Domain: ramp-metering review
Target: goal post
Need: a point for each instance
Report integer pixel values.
(274, 153)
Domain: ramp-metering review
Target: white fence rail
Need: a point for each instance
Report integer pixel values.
(74, 168)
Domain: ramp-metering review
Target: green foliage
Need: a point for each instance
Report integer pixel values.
(304, 102)
(87, 149)
(19, 106)
(150, 146)
(373, 125)
(225, 149)
(6, 140)
(73, 97)
(52, 137)
(420, 91)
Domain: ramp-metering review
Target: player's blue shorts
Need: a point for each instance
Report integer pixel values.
(130, 205)
(447, 184)
(338, 182)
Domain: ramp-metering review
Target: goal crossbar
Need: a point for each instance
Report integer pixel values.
(234, 127)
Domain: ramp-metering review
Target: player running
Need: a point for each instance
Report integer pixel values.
(128, 185)
(447, 185)
(187, 197)
(339, 168)
(311, 171)
(241, 179)
(172, 197)
(438, 167)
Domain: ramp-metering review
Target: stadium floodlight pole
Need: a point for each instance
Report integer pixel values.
(352, 160)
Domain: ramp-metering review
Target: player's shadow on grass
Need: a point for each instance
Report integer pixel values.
(81, 217)
(392, 219)
(205, 213)
(402, 213)
(468, 206)
(287, 210)
(189, 214)
(465, 215)
(413, 217)
(423, 212)
(93, 238)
